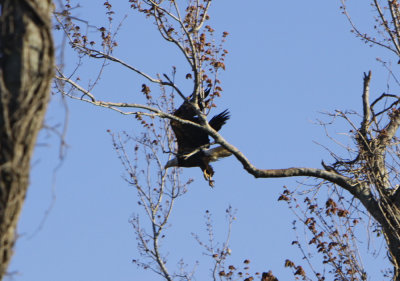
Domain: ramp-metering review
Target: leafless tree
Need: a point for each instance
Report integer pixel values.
(26, 71)
(369, 172)
(157, 191)
(157, 188)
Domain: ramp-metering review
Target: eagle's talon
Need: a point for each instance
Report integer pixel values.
(206, 175)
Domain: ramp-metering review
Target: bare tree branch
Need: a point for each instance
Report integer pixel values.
(366, 105)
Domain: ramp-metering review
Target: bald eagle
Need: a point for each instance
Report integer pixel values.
(193, 143)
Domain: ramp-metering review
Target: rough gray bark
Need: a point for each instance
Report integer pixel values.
(26, 70)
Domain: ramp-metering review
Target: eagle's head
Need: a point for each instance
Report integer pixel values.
(171, 163)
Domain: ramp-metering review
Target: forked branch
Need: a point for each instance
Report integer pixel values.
(366, 106)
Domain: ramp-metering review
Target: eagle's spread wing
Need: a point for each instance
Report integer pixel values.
(186, 111)
(219, 120)
(188, 137)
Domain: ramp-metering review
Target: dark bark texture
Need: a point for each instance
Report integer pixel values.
(26, 70)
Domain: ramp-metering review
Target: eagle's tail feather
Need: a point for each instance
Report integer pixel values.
(217, 152)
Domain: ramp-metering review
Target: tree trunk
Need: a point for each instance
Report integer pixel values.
(26, 70)
(391, 232)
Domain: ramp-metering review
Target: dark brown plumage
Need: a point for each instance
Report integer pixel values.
(194, 143)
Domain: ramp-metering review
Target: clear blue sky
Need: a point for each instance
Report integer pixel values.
(288, 61)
